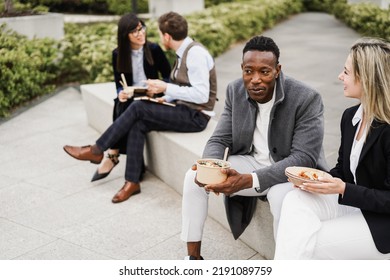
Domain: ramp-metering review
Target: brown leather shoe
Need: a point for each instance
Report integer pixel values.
(128, 189)
(84, 153)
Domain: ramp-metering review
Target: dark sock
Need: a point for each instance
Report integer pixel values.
(96, 150)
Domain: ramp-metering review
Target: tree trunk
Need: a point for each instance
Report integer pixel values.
(8, 6)
(134, 7)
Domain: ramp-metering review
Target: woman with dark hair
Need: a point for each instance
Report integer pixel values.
(191, 94)
(138, 60)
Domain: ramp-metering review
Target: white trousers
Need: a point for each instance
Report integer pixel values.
(314, 226)
(195, 198)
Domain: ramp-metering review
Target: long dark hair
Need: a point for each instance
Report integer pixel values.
(127, 24)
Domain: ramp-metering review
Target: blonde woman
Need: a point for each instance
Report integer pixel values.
(348, 216)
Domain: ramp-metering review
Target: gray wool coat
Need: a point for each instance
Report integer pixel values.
(295, 136)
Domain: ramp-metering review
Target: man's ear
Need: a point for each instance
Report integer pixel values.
(167, 37)
(278, 69)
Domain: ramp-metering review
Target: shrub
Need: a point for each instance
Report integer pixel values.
(32, 68)
(368, 20)
(87, 54)
(27, 69)
(16, 8)
(319, 5)
(121, 7)
(365, 18)
(87, 48)
(91, 6)
(210, 3)
(73, 6)
(239, 21)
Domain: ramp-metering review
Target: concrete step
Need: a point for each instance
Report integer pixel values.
(182, 150)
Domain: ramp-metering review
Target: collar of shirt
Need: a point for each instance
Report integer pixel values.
(358, 115)
(183, 46)
(357, 146)
(137, 52)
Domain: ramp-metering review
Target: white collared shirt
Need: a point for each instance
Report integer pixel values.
(357, 145)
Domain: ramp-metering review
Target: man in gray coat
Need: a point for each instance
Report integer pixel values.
(270, 121)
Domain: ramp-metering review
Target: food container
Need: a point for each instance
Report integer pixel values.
(209, 170)
(299, 175)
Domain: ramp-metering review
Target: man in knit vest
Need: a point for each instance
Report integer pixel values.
(192, 90)
(193, 78)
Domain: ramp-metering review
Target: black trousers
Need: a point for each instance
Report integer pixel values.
(142, 117)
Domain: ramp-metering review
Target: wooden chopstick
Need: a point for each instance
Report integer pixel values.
(124, 84)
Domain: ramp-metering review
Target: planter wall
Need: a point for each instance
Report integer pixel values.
(49, 25)
(159, 7)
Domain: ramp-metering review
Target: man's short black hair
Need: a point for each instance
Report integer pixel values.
(263, 44)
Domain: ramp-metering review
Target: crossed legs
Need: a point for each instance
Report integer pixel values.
(137, 120)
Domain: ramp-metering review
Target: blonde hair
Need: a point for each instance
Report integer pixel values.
(371, 67)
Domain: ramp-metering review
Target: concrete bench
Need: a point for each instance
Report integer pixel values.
(182, 150)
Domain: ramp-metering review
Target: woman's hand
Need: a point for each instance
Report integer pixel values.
(122, 96)
(326, 186)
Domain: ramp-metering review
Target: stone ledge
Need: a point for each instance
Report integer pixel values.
(50, 25)
(182, 150)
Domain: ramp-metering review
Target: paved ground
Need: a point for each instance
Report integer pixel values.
(50, 210)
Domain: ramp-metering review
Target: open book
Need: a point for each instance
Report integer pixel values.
(147, 98)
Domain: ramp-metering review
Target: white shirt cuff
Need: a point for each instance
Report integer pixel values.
(255, 182)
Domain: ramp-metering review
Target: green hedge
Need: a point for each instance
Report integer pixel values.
(87, 49)
(87, 53)
(27, 69)
(30, 68)
(367, 19)
(89, 6)
(227, 23)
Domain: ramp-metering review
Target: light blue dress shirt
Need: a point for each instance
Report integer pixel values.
(137, 58)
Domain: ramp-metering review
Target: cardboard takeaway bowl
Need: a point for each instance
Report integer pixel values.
(209, 170)
(299, 175)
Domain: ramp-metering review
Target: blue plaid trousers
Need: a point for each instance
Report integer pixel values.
(142, 117)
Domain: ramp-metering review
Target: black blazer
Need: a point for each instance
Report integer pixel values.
(372, 192)
(161, 66)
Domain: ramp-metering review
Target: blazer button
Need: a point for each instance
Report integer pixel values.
(274, 150)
